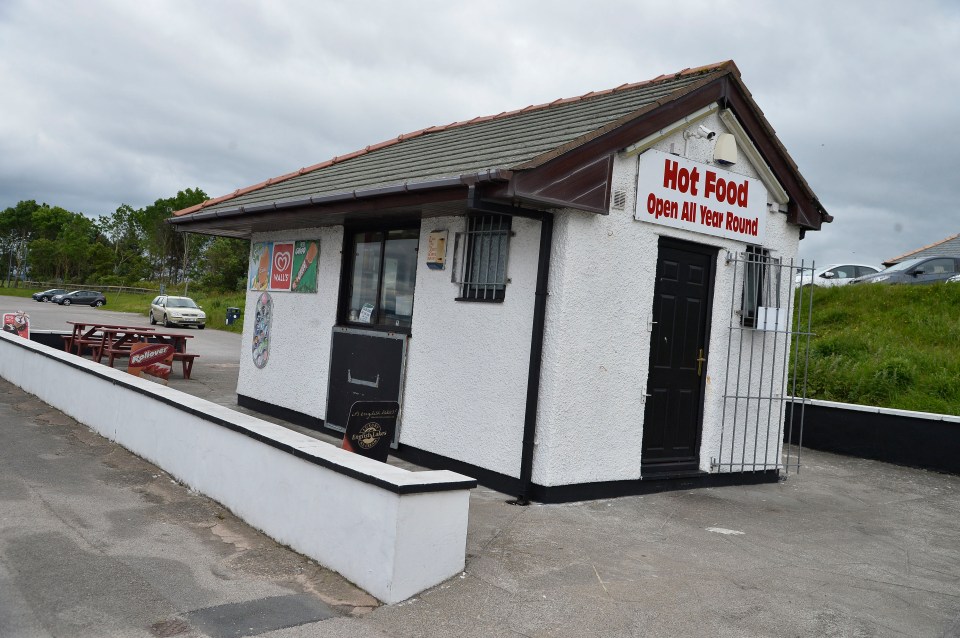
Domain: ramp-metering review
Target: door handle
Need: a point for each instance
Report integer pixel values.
(700, 361)
(372, 384)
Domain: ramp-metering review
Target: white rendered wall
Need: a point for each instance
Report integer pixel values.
(467, 365)
(597, 342)
(296, 374)
(392, 544)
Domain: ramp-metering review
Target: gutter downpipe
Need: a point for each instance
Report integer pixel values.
(536, 360)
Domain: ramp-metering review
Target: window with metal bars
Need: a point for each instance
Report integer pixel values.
(761, 284)
(483, 270)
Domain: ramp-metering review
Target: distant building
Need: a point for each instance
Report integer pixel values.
(949, 247)
(569, 300)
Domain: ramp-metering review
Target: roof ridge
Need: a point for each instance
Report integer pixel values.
(913, 252)
(700, 70)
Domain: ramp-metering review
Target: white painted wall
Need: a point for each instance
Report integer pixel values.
(466, 382)
(296, 375)
(597, 342)
(465, 385)
(392, 545)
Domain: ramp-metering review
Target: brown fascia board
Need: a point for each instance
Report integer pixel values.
(338, 204)
(724, 87)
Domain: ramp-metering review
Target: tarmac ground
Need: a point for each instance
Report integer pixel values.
(96, 542)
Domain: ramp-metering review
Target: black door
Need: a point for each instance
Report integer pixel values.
(683, 296)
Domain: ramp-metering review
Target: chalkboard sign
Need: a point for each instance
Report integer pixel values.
(370, 428)
(365, 365)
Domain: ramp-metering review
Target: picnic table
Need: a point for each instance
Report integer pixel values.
(117, 342)
(87, 334)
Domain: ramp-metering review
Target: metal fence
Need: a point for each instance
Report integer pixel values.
(767, 356)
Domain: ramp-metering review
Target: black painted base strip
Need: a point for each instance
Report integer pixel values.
(894, 438)
(510, 485)
(612, 489)
(487, 478)
(286, 414)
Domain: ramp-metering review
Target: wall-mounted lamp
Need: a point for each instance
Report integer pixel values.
(725, 150)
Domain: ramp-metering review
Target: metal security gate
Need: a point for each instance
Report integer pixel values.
(767, 355)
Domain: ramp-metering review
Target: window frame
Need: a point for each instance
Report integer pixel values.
(759, 259)
(465, 247)
(346, 274)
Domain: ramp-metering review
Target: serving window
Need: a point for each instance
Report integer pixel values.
(380, 275)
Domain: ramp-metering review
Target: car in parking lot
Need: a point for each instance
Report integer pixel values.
(47, 295)
(920, 270)
(177, 311)
(835, 274)
(87, 297)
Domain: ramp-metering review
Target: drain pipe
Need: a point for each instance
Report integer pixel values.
(536, 358)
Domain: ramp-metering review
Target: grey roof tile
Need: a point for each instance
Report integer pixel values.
(949, 247)
(499, 142)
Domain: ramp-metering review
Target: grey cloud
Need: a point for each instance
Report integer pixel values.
(110, 102)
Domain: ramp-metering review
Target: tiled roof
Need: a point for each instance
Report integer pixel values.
(949, 247)
(505, 141)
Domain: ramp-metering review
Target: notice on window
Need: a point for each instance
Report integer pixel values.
(366, 313)
(676, 192)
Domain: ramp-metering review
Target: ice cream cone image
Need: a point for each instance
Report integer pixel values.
(312, 251)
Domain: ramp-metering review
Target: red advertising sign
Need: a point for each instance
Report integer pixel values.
(281, 274)
(17, 323)
(151, 360)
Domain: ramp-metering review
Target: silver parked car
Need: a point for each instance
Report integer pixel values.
(177, 311)
(920, 270)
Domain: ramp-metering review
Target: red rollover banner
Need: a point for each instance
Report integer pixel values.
(152, 360)
(677, 192)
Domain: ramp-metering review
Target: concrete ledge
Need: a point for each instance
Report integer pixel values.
(917, 439)
(390, 531)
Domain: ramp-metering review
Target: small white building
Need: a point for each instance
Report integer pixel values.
(583, 298)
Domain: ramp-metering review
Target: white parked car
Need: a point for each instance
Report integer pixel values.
(835, 274)
(177, 311)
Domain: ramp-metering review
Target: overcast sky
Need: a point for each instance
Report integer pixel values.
(112, 101)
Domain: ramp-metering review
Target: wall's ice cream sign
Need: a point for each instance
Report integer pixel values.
(280, 275)
(674, 191)
(284, 266)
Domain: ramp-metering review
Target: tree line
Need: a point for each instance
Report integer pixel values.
(130, 247)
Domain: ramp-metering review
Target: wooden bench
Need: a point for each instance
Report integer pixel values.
(112, 353)
(186, 361)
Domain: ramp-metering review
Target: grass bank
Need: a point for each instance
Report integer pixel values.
(889, 346)
(215, 304)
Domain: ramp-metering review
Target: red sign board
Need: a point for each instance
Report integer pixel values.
(282, 272)
(17, 323)
(151, 360)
